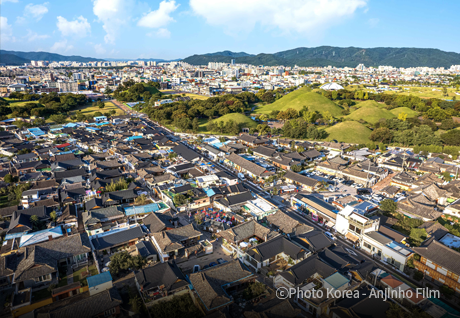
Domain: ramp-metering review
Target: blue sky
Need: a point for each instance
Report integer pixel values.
(176, 29)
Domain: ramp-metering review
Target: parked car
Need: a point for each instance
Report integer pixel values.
(205, 267)
(213, 264)
(196, 268)
(329, 235)
(221, 261)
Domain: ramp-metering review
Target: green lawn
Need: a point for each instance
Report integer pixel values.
(151, 89)
(298, 99)
(15, 102)
(89, 109)
(349, 131)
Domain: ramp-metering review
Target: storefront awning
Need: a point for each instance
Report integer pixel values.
(352, 237)
(329, 224)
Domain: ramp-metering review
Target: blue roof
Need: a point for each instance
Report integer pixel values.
(40, 236)
(36, 131)
(133, 137)
(99, 279)
(336, 280)
(209, 192)
(132, 210)
(100, 117)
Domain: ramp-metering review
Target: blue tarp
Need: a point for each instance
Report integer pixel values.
(132, 210)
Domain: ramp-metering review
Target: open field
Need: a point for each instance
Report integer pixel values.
(371, 114)
(89, 109)
(422, 92)
(349, 131)
(15, 102)
(298, 99)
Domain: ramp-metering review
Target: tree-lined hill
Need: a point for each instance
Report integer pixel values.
(338, 56)
(41, 56)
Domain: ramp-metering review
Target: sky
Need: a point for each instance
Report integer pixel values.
(168, 29)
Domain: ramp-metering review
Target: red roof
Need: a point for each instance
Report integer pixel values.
(63, 145)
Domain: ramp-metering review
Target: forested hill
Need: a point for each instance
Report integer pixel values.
(18, 57)
(338, 56)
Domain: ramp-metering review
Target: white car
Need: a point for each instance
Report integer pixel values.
(329, 235)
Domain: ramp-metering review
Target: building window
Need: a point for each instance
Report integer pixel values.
(43, 278)
(367, 245)
(110, 312)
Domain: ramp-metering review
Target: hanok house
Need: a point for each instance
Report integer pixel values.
(36, 266)
(214, 286)
(247, 167)
(115, 242)
(172, 243)
(160, 282)
(276, 250)
(102, 220)
(305, 183)
(285, 224)
(420, 207)
(157, 222)
(233, 202)
(439, 263)
(118, 197)
(245, 233)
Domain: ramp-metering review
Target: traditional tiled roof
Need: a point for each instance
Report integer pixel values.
(165, 274)
(209, 284)
(439, 254)
(170, 240)
(287, 224)
(275, 246)
(300, 272)
(246, 230)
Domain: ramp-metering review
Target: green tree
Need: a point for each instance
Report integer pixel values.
(58, 118)
(8, 178)
(53, 216)
(195, 125)
(382, 134)
(34, 219)
(179, 199)
(388, 205)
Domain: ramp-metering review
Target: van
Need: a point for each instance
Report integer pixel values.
(241, 176)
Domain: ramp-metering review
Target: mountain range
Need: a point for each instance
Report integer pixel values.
(336, 56)
(19, 58)
(302, 56)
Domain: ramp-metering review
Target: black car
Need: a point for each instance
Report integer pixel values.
(362, 191)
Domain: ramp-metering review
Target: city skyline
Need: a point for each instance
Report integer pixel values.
(177, 29)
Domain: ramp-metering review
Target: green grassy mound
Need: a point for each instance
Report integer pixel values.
(371, 114)
(407, 110)
(349, 132)
(245, 121)
(298, 99)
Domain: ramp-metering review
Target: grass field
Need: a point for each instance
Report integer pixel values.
(407, 110)
(422, 92)
(349, 131)
(15, 102)
(89, 109)
(298, 99)
(371, 114)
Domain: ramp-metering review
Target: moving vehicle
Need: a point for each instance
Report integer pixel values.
(241, 176)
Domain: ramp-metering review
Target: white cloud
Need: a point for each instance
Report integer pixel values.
(33, 36)
(113, 14)
(35, 11)
(79, 27)
(373, 22)
(99, 49)
(61, 47)
(6, 31)
(298, 17)
(159, 18)
(160, 33)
